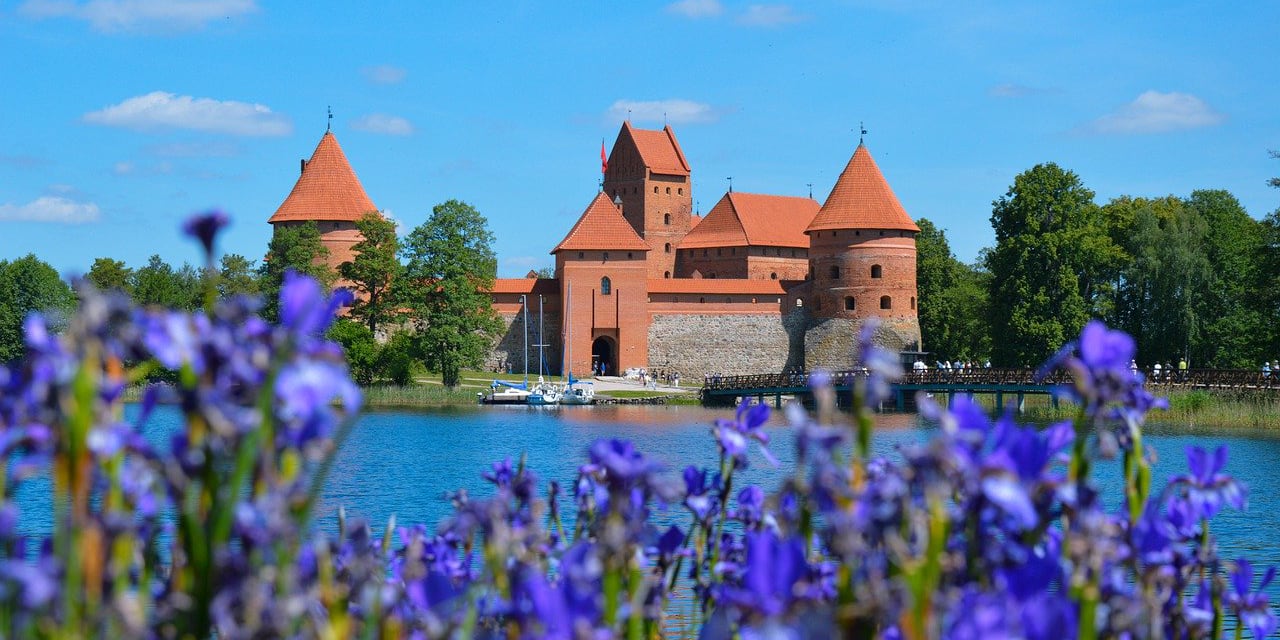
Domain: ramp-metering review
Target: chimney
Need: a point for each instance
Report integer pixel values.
(304, 166)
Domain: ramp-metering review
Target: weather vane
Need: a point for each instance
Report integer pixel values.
(329, 127)
(863, 128)
(730, 179)
(810, 185)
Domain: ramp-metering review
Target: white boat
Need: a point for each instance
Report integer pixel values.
(508, 394)
(578, 392)
(544, 393)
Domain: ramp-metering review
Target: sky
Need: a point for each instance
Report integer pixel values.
(119, 118)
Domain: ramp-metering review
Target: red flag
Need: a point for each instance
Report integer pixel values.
(604, 160)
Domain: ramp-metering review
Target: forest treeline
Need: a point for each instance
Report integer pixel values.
(1192, 277)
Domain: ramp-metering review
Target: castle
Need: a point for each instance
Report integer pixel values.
(761, 283)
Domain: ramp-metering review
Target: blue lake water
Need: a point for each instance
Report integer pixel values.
(407, 463)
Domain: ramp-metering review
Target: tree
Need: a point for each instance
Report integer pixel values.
(359, 347)
(450, 269)
(1051, 267)
(952, 298)
(545, 272)
(373, 269)
(296, 247)
(159, 284)
(237, 275)
(107, 274)
(30, 285)
(1232, 245)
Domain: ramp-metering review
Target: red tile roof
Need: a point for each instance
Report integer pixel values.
(862, 199)
(327, 189)
(715, 285)
(753, 219)
(602, 227)
(659, 150)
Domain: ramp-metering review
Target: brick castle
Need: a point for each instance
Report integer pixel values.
(761, 283)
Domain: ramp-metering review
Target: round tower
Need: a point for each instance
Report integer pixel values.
(862, 264)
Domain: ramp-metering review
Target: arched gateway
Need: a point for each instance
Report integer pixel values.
(603, 356)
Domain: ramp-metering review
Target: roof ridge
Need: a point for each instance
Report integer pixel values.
(862, 199)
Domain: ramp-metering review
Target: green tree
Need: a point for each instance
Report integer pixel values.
(107, 274)
(359, 347)
(160, 284)
(952, 298)
(1051, 267)
(30, 285)
(296, 247)
(1232, 245)
(237, 275)
(450, 269)
(545, 272)
(373, 270)
(1267, 278)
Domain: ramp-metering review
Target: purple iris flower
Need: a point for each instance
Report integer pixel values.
(699, 495)
(750, 505)
(304, 307)
(748, 423)
(1251, 606)
(774, 566)
(623, 464)
(205, 227)
(1206, 489)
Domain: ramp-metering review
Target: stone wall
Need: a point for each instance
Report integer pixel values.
(699, 344)
(507, 352)
(831, 343)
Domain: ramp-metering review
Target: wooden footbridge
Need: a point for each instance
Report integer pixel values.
(726, 390)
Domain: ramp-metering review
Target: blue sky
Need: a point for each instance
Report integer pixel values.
(118, 118)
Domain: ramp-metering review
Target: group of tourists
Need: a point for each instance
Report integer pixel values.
(651, 379)
(951, 365)
(1271, 368)
(1166, 372)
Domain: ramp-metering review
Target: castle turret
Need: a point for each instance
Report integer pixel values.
(862, 264)
(648, 171)
(329, 194)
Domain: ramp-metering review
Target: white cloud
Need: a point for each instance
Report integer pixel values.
(384, 74)
(696, 8)
(769, 15)
(161, 110)
(140, 15)
(1155, 112)
(51, 209)
(673, 110)
(384, 124)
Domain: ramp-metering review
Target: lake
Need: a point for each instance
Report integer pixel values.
(407, 463)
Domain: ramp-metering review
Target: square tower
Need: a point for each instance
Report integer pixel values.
(649, 173)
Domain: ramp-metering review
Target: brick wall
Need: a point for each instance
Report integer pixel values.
(508, 349)
(696, 344)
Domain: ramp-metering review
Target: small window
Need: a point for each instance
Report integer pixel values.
(668, 190)
(728, 299)
(605, 257)
(913, 303)
(799, 302)
(733, 251)
(704, 253)
(886, 302)
(666, 218)
(848, 303)
(875, 271)
(679, 191)
(835, 272)
(702, 299)
(581, 255)
(881, 234)
(628, 255)
(857, 233)
(666, 274)
(773, 276)
(712, 275)
(666, 248)
(606, 287)
(655, 188)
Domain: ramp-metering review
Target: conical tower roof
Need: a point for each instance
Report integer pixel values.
(602, 227)
(862, 199)
(327, 190)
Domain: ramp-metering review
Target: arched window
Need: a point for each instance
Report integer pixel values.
(913, 303)
(666, 274)
(666, 218)
(667, 247)
(835, 272)
(668, 190)
(606, 287)
(886, 302)
(848, 303)
(702, 299)
(799, 302)
(875, 271)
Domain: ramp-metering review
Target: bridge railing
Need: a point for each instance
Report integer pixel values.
(982, 377)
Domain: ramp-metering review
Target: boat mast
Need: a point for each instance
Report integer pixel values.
(542, 363)
(524, 306)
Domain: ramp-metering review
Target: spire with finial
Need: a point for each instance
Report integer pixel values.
(810, 185)
(329, 127)
(730, 179)
(863, 129)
